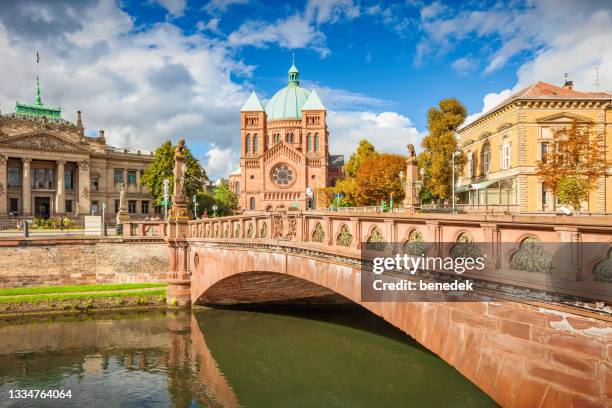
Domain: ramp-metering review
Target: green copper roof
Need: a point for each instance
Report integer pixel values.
(313, 102)
(37, 109)
(287, 103)
(252, 104)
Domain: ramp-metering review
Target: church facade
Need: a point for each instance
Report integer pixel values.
(49, 168)
(284, 156)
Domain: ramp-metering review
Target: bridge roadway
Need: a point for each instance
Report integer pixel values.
(549, 347)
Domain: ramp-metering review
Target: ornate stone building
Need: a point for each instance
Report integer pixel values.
(48, 167)
(503, 146)
(284, 150)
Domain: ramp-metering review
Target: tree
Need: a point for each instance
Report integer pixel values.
(162, 168)
(364, 151)
(572, 165)
(378, 178)
(439, 146)
(225, 199)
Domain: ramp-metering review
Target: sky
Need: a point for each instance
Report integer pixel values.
(153, 70)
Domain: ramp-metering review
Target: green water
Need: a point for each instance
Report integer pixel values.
(340, 357)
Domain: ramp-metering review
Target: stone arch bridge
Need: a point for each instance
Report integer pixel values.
(549, 347)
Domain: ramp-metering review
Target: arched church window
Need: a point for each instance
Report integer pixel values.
(247, 144)
(316, 142)
(255, 143)
(252, 203)
(237, 191)
(309, 143)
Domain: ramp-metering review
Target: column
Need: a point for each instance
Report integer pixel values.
(138, 181)
(3, 186)
(60, 195)
(26, 187)
(84, 198)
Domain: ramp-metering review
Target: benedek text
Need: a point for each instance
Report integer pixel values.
(423, 286)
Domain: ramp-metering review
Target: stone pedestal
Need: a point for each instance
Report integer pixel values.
(60, 196)
(123, 215)
(3, 186)
(84, 198)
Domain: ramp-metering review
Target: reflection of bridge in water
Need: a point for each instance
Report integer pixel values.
(552, 346)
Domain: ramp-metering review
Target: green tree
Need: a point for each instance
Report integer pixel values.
(364, 151)
(439, 146)
(378, 178)
(573, 164)
(225, 199)
(162, 168)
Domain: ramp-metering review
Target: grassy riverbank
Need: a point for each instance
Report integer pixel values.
(78, 298)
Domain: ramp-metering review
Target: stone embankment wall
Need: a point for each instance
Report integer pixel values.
(81, 261)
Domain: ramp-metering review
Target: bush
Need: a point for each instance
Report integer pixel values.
(51, 223)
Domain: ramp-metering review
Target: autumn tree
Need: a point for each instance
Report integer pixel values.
(378, 178)
(348, 186)
(162, 167)
(574, 161)
(439, 146)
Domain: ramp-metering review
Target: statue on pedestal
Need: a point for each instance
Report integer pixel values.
(123, 215)
(180, 200)
(413, 184)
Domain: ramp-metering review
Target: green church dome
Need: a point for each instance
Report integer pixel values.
(287, 103)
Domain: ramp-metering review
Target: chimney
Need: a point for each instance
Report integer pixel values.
(101, 137)
(79, 121)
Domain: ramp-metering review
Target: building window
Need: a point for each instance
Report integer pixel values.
(68, 206)
(255, 143)
(247, 144)
(95, 184)
(117, 205)
(544, 197)
(543, 151)
(308, 143)
(470, 164)
(237, 188)
(505, 154)
(94, 207)
(486, 159)
(131, 175)
(14, 176)
(144, 206)
(316, 142)
(252, 203)
(132, 206)
(50, 181)
(68, 179)
(118, 176)
(13, 205)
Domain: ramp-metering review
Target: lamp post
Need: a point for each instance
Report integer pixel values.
(455, 155)
(195, 207)
(166, 197)
(214, 208)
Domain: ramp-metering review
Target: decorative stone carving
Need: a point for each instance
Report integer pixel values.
(415, 246)
(41, 141)
(85, 193)
(376, 241)
(151, 232)
(531, 257)
(277, 227)
(216, 231)
(250, 230)
(263, 232)
(344, 237)
(465, 247)
(318, 234)
(291, 229)
(226, 232)
(603, 270)
(237, 231)
(84, 165)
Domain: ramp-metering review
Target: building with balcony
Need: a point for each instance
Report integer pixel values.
(503, 147)
(48, 167)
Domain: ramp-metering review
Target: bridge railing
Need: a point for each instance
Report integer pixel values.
(151, 229)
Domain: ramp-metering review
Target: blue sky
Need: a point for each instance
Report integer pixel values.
(146, 71)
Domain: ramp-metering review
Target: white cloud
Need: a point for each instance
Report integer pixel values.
(389, 132)
(464, 65)
(174, 7)
(212, 25)
(220, 162)
(220, 6)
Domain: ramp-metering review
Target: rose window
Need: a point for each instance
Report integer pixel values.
(282, 175)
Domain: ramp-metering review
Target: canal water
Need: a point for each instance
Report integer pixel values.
(332, 357)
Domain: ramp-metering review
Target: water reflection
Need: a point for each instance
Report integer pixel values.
(332, 358)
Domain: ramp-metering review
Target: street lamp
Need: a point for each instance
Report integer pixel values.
(166, 198)
(214, 207)
(455, 155)
(195, 207)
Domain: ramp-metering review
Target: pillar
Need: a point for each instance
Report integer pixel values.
(26, 185)
(60, 196)
(567, 256)
(84, 198)
(3, 186)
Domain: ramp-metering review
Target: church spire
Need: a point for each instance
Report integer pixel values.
(294, 74)
(37, 100)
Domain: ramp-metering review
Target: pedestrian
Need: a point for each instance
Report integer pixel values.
(61, 222)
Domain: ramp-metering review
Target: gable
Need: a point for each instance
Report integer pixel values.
(283, 150)
(43, 142)
(564, 117)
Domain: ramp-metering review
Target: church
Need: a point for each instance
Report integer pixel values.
(284, 156)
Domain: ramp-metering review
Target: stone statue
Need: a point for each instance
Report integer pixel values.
(180, 201)
(123, 215)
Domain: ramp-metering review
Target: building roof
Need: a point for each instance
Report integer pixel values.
(37, 109)
(336, 160)
(313, 102)
(252, 104)
(545, 91)
(287, 103)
